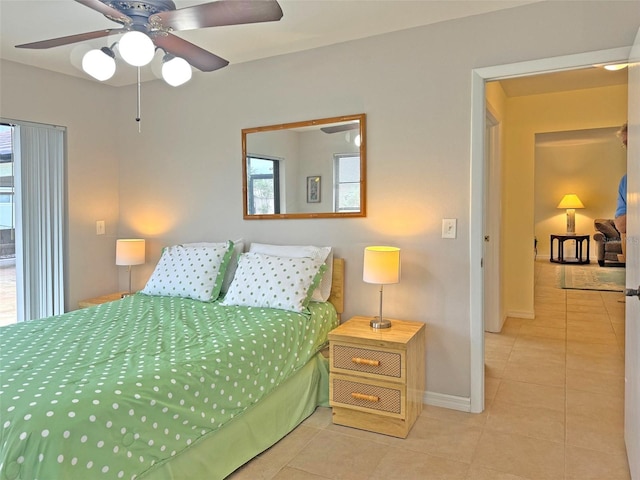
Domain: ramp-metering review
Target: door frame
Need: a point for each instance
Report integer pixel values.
(477, 193)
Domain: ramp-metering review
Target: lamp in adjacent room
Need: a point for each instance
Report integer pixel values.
(570, 202)
(382, 267)
(130, 251)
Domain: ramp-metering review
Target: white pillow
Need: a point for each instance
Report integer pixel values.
(323, 254)
(238, 248)
(190, 272)
(273, 282)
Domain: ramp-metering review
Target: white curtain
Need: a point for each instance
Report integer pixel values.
(40, 207)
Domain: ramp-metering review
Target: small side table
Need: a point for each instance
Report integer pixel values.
(580, 250)
(92, 302)
(376, 377)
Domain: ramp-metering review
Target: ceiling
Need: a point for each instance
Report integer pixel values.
(306, 24)
(577, 79)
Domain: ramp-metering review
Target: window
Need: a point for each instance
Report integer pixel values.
(347, 183)
(263, 185)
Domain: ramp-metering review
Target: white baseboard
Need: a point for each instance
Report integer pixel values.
(443, 400)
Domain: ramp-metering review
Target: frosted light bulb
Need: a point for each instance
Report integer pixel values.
(176, 71)
(99, 64)
(136, 48)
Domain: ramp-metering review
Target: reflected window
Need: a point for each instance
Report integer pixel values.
(263, 185)
(346, 183)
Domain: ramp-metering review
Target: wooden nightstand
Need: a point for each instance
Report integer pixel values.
(377, 377)
(91, 302)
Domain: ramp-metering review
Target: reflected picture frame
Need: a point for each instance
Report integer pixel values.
(313, 189)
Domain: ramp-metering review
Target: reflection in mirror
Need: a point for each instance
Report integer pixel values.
(311, 169)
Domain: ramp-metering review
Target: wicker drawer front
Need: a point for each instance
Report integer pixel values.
(366, 396)
(378, 362)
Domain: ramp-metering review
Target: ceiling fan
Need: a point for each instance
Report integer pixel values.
(157, 19)
(345, 127)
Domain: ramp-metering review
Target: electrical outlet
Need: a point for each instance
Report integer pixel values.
(449, 227)
(100, 227)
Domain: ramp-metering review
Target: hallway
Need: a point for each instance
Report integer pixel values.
(556, 384)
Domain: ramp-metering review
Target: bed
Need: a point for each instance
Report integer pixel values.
(161, 386)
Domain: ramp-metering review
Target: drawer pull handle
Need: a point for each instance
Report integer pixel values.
(366, 361)
(366, 398)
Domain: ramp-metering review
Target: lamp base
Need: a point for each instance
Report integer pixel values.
(378, 323)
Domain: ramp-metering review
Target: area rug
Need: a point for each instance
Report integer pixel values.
(576, 277)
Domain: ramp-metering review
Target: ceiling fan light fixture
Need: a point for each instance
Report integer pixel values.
(136, 48)
(175, 70)
(99, 63)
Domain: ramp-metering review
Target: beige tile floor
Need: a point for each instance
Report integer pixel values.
(554, 409)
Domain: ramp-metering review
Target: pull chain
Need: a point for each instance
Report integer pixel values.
(138, 111)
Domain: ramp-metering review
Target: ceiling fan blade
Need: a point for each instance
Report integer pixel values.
(196, 56)
(215, 14)
(81, 37)
(107, 11)
(341, 128)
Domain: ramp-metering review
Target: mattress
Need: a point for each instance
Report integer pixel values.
(123, 389)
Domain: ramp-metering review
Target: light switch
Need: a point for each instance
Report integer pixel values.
(100, 227)
(449, 227)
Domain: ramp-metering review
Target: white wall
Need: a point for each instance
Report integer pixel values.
(179, 180)
(88, 110)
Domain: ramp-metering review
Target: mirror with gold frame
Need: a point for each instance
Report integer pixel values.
(309, 169)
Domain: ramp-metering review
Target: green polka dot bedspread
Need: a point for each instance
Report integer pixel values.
(114, 390)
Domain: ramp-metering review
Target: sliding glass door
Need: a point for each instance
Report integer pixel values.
(33, 210)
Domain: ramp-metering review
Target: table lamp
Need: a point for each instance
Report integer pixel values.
(571, 201)
(130, 251)
(381, 266)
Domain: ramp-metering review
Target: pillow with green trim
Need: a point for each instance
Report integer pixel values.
(190, 272)
(274, 282)
(238, 248)
(323, 291)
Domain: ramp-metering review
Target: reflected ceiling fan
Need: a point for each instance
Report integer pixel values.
(345, 127)
(153, 21)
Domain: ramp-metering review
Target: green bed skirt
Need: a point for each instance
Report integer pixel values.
(216, 456)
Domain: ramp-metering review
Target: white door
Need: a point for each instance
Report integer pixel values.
(493, 318)
(632, 322)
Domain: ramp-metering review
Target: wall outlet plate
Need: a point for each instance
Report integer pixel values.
(449, 227)
(100, 227)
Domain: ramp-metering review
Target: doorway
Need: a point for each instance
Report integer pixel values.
(478, 193)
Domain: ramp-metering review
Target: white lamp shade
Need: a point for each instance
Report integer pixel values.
(176, 71)
(136, 48)
(381, 265)
(130, 251)
(99, 65)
